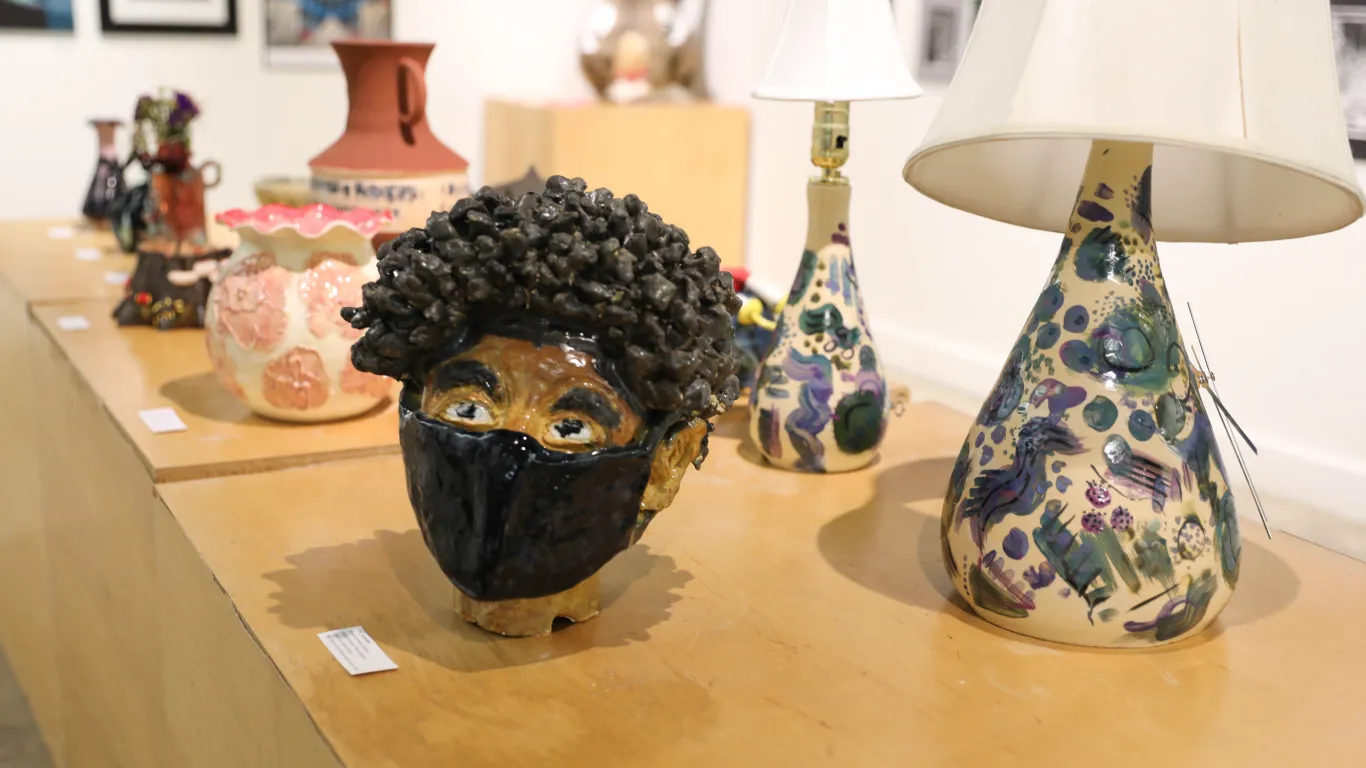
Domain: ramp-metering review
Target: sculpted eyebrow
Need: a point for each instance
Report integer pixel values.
(466, 372)
(588, 402)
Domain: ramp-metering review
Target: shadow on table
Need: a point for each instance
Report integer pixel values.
(891, 548)
(874, 545)
(1267, 585)
(391, 585)
(203, 396)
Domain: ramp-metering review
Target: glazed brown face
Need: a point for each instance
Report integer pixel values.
(550, 392)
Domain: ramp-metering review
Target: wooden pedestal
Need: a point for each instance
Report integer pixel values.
(35, 270)
(98, 465)
(80, 605)
(688, 162)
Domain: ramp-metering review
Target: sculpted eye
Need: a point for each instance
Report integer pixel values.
(572, 430)
(468, 413)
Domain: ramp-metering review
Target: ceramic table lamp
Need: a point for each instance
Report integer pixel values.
(1089, 504)
(820, 402)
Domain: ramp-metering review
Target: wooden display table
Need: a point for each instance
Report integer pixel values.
(98, 463)
(657, 151)
(38, 269)
(766, 619)
(134, 368)
(77, 466)
(35, 269)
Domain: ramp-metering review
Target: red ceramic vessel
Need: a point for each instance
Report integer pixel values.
(388, 159)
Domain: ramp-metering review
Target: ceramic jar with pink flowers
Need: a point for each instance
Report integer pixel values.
(275, 332)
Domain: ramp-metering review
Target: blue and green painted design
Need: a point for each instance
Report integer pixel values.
(821, 399)
(1092, 469)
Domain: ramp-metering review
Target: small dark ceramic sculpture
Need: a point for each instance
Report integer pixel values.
(560, 355)
(169, 287)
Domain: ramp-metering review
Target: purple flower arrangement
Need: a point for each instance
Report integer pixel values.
(161, 133)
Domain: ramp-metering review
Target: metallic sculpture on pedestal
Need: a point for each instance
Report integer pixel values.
(644, 50)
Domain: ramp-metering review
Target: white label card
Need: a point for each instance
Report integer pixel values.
(356, 651)
(88, 254)
(161, 420)
(116, 278)
(61, 233)
(73, 323)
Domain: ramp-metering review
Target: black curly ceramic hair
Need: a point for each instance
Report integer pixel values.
(581, 260)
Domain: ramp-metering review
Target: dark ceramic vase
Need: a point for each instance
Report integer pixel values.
(128, 214)
(106, 184)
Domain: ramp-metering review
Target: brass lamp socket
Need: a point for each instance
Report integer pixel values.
(830, 140)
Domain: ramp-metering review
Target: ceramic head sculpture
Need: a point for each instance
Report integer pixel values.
(1089, 504)
(561, 355)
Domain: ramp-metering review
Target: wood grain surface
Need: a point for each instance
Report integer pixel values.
(134, 368)
(41, 269)
(766, 618)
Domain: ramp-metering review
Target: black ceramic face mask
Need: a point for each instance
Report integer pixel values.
(507, 518)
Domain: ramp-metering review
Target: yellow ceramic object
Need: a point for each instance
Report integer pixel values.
(283, 190)
(1089, 504)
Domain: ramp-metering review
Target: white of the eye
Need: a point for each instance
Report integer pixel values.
(572, 434)
(469, 413)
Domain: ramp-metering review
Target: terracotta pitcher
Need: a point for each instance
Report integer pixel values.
(179, 199)
(388, 159)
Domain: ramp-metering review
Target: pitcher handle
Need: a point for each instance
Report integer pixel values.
(217, 173)
(412, 92)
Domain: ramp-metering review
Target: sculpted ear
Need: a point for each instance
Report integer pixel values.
(672, 458)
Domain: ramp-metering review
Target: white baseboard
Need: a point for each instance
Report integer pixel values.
(1306, 494)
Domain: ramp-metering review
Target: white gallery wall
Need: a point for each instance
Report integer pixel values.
(947, 291)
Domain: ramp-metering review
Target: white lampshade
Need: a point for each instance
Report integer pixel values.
(1239, 98)
(838, 50)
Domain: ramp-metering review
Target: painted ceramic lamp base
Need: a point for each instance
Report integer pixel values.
(1089, 504)
(534, 615)
(820, 402)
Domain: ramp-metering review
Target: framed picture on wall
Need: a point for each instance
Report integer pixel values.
(40, 15)
(1349, 47)
(944, 29)
(175, 17)
(299, 33)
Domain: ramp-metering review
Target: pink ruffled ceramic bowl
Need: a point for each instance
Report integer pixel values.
(275, 332)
